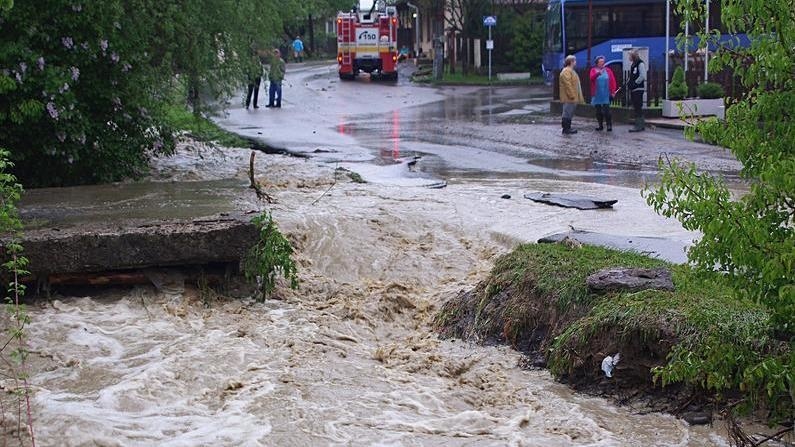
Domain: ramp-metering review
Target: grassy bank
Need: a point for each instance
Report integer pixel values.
(475, 79)
(695, 340)
(200, 128)
(459, 78)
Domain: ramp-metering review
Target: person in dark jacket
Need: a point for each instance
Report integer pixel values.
(637, 88)
(603, 89)
(254, 80)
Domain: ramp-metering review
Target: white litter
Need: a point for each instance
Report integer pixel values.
(609, 363)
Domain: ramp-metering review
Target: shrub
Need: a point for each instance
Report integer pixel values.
(270, 257)
(749, 238)
(710, 90)
(677, 89)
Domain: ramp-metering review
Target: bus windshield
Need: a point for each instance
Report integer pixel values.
(553, 41)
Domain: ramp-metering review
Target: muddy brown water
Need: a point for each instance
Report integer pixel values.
(349, 358)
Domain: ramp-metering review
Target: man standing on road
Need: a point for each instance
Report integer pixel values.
(570, 93)
(637, 87)
(298, 49)
(254, 80)
(276, 76)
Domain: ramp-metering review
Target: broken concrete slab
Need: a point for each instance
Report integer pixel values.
(570, 200)
(155, 244)
(656, 247)
(630, 280)
(129, 226)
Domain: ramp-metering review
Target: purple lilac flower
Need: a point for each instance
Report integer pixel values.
(75, 73)
(67, 42)
(40, 63)
(103, 44)
(77, 8)
(82, 138)
(52, 110)
(64, 88)
(61, 136)
(126, 67)
(84, 45)
(114, 57)
(18, 75)
(23, 67)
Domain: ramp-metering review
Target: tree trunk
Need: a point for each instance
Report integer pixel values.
(451, 46)
(193, 94)
(467, 48)
(311, 25)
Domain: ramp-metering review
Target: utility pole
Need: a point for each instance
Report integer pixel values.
(416, 29)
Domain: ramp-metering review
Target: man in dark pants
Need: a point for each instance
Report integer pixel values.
(637, 87)
(276, 76)
(253, 87)
(254, 80)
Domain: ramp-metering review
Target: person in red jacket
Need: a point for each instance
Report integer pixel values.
(603, 89)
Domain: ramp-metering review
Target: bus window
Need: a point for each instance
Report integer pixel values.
(639, 20)
(577, 26)
(553, 40)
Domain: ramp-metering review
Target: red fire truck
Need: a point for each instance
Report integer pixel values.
(367, 42)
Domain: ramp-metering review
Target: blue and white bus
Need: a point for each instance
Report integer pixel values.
(615, 25)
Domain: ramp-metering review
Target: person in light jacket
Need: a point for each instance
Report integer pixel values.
(603, 89)
(275, 76)
(570, 93)
(637, 87)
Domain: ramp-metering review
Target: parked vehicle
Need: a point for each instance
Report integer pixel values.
(367, 42)
(615, 25)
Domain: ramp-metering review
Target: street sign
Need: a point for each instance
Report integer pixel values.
(490, 21)
(489, 44)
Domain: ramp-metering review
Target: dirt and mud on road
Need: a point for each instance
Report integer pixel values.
(458, 133)
(349, 358)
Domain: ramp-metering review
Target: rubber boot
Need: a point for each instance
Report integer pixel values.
(640, 125)
(567, 130)
(599, 118)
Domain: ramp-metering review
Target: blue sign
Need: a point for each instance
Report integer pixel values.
(490, 21)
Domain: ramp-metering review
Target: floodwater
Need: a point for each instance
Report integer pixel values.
(350, 358)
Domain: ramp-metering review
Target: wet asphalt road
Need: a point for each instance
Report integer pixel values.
(408, 134)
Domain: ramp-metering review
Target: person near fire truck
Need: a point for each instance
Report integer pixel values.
(276, 76)
(298, 49)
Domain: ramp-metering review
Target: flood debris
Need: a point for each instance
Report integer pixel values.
(570, 200)
(670, 250)
(609, 363)
(257, 188)
(630, 280)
